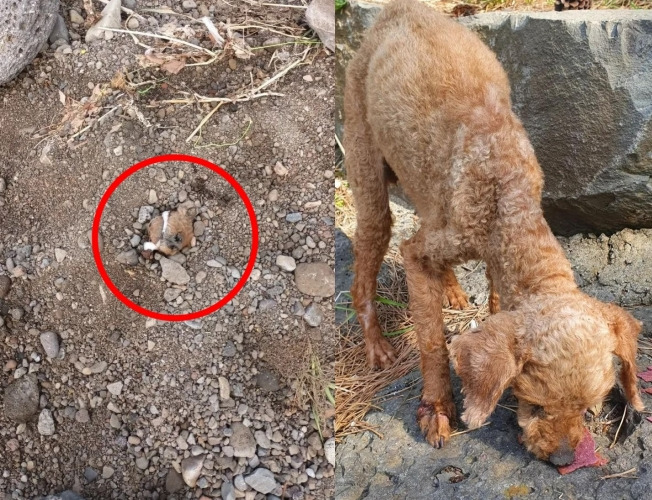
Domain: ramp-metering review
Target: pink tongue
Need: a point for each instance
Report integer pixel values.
(585, 455)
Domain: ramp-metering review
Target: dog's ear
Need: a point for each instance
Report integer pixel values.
(625, 329)
(487, 359)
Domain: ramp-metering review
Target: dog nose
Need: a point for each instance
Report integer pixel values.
(564, 455)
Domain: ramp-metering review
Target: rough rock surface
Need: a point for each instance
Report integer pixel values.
(21, 399)
(593, 144)
(489, 462)
(24, 27)
(320, 16)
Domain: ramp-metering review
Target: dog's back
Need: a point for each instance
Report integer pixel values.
(423, 77)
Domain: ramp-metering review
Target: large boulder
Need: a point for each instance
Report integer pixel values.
(581, 84)
(25, 26)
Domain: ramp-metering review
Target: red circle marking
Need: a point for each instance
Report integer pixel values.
(95, 243)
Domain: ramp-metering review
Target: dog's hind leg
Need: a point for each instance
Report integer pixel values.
(454, 296)
(367, 179)
(436, 412)
(494, 298)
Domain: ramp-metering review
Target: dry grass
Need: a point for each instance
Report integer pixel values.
(357, 385)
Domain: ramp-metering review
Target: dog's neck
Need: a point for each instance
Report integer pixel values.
(526, 255)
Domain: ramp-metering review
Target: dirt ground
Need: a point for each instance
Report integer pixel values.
(133, 401)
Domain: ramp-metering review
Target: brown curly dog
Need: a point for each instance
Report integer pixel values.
(428, 104)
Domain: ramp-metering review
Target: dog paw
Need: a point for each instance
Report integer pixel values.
(380, 354)
(435, 424)
(456, 298)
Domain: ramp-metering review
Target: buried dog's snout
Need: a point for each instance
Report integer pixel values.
(564, 454)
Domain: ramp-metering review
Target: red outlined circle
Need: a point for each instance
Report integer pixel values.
(95, 242)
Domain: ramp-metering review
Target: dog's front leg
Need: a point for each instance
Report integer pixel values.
(436, 412)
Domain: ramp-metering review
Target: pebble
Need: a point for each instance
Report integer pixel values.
(152, 198)
(21, 399)
(75, 17)
(173, 272)
(128, 258)
(173, 481)
(107, 472)
(262, 440)
(133, 23)
(10, 365)
(189, 4)
(273, 195)
(267, 381)
(293, 217)
(286, 263)
(50, 343)
(191, 469)
(329, 451)
(5, 286)
(280, 169)
(142, 463)
(227, 491)
(313, 315)
(315, 279)
(115, 388)
(60, 254)
(90, 474)
(242, 440)
(225, 388)
(171, 294)
(99, 367)
(134, 241)
(200, 277)
(262, 480)
(145, 213)
(82, 416)
(198, 228)
(45, 423)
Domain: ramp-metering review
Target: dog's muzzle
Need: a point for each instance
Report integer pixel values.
(564, 455)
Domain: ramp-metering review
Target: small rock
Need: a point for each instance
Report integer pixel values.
(142, 463)
(191, 469)
(320, 16)
(262, 480)
(173, 481)
(286, 263)
(316, 279)
(82, 416)
(115, 388)
(199, 227)
(189, 4)
(273, 195)
(110, 19)
(227, 490)
(134, 241)
(294, 217)
(133, 23)
(90, 474)
(21, 399)
(59, 31)
(242, 440)
(200, 277)
(99, 367)
(145, 213)
(5, 286)
(128, 258)
(171, 294)
(262, 440)
(45, 423)
(229, 350)
(75, 17)
(107, 472)
(267, 381)
(313, 315)
(225, 388)
(271, 43)
(280, 169)
(329, 451)
(173, 272)
(50, 343)
(152, 198)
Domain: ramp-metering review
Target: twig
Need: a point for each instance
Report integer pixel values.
(458, 433)
(507, 408)
(228, 143)
(337, 139)
(99, 120)
(163, 37)
(622, 474)
(204, 120)
(219, 41)
(618, 430)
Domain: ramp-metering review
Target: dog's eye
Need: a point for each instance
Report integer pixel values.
(538, 411)
(177, 238)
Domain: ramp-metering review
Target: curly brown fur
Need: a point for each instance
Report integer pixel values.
(427, 97)
(170, 232)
